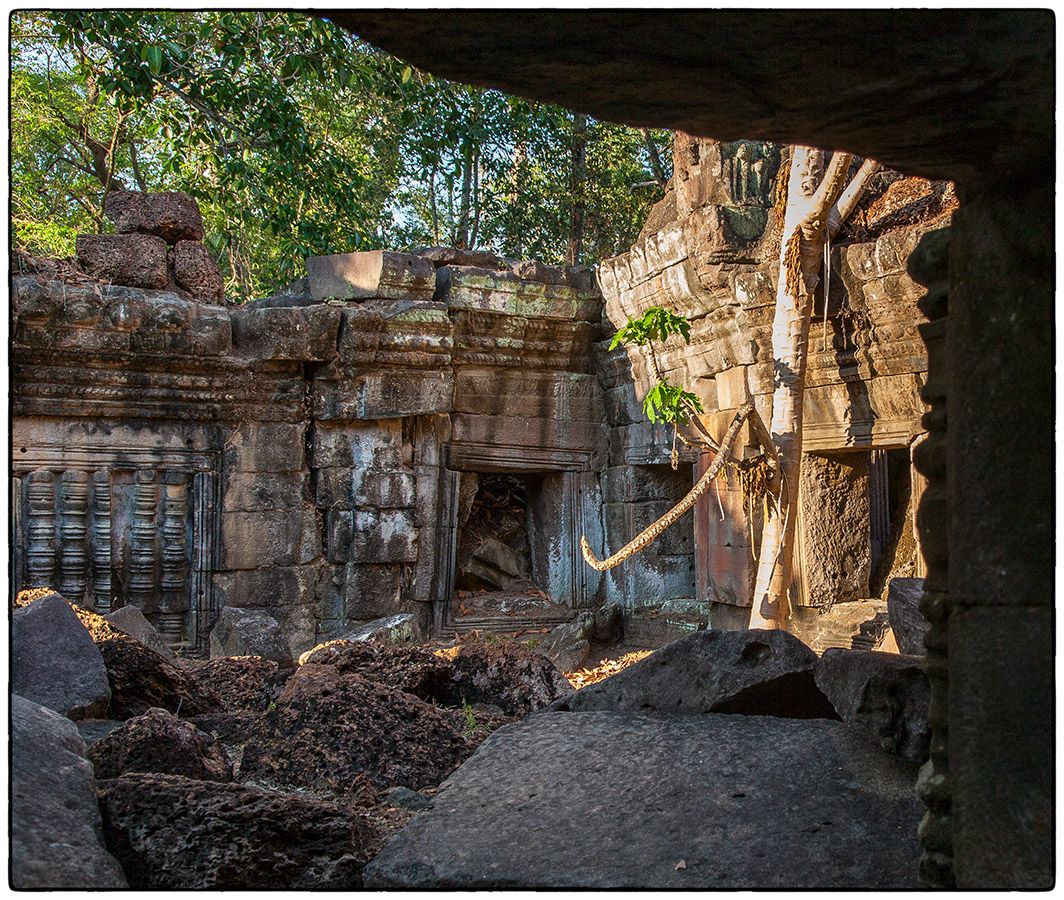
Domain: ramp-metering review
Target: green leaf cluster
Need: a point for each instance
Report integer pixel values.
(656, 324)
(668, 403)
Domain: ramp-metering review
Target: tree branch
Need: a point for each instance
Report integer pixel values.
(828, 192)
(850, 197)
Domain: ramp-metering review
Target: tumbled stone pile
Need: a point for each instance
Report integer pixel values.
(241, 771)
(158, 245)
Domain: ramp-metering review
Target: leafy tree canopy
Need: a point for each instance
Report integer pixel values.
(297, 138)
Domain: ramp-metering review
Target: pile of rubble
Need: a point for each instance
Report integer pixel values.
(158, 245)
(133, 768)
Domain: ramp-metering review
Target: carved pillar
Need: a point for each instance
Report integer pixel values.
(929, 266)
(174, 600)
(142, 544)
(40, 552)
(101, 541)
(74, 505)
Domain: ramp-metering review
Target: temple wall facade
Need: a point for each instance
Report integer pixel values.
(337, 453)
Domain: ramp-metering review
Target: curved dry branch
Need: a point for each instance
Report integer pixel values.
(828, 192)
(850, 197)
(646, 537)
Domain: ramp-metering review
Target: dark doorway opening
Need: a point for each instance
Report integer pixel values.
(894, 548)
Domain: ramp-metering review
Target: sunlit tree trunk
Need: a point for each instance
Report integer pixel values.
(809, 203)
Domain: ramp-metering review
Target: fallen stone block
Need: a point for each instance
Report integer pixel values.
(54, 661)
(346, 736)
(412, 670)
(56, 838)
(454, 256)
(755, 672)
(131, 620)
(216, 836)
(160, 742)
(567, 646)
(884, 697)
(374, 273)
(468, 287)
(132, 260)
(196, 271)
(395, 629)
(623, 801)
(509, 676)
(170, 215)
(249, 632)
(906, 620)
(140, 678)
(244, 683)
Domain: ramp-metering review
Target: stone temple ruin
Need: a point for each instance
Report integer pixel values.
(428, 436)
(433, 433)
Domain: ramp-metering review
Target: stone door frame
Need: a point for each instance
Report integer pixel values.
(459, 457)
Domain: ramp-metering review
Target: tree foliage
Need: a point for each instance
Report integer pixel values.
(664, 402)
(297, 138)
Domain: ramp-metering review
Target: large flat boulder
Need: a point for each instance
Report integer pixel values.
(56, 840)
(756, 672)
(884, 697)
(160, 742)
(176, 833)
(606, 800)
(906, 620)
(54, 661)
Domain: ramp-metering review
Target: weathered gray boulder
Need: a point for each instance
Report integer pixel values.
(171, 215)
(394, 629)
(56, 840)
(131, 620)
(160, 742)
(906, 620)
(54, 661)
(196, 271)
(133, 260)
(249, 632)
(569, 645)
(373, 273)
(884, 697)
(756, 672)
(177, 833)
(622, 801)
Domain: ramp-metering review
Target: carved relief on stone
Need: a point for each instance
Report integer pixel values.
(101, 540)
(174, 601)
(40, 552)
(143, 540)
(74, 509)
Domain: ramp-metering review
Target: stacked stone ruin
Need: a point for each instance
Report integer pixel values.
(158, 245)
(311, 455)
